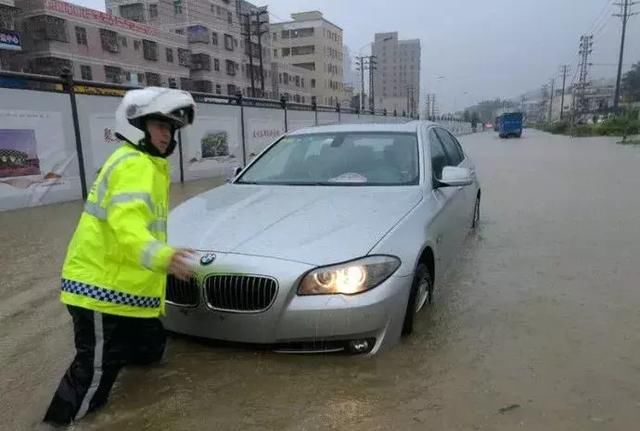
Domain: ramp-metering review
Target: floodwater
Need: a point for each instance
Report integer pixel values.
(537, 328)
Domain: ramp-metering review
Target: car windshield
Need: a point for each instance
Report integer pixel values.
(338, 159)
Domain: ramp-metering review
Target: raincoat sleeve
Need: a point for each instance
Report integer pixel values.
(131, 209)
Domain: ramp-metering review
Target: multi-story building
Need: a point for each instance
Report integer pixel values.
(315, 44)
(10, 39)
(350, 77)
(291, 82)
(216, 32)
(397, 78)
(97, 47)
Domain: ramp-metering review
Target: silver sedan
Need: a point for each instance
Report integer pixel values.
(330, 240)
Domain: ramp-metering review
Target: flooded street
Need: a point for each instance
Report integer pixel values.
(537, 328)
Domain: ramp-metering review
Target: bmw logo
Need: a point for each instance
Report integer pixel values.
(207, 259)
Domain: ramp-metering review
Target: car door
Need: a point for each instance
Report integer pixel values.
(458, 215)
(444, 225)
(470, 192)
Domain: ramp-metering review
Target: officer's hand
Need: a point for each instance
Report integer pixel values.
(181, 264)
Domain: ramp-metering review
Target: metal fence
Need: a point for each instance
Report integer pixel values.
(55, 133)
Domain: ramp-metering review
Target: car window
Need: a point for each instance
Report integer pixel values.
(454, 155)
(363, 158)
(438, 157)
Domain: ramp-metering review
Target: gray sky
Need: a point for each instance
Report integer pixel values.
(486, 49)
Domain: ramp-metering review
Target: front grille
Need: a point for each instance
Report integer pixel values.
(184, 293)
(240, 293)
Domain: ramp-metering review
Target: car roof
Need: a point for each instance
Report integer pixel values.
(407, 127)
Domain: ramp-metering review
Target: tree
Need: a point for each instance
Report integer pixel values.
(466, 116)
(631, 84)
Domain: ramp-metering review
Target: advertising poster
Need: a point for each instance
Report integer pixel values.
(36, 165)
(212, 147)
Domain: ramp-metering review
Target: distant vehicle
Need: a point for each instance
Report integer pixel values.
(510, 124)
(497, 124)
(488, 126)
(328, 241)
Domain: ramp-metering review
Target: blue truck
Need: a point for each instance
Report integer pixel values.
(510, 124)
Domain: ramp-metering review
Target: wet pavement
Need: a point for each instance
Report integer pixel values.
(537, 327)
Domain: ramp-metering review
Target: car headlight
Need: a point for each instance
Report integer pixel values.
(349, 278)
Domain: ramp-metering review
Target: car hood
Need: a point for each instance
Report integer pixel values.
(317, 225)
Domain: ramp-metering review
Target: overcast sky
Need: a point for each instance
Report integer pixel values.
(484, 49)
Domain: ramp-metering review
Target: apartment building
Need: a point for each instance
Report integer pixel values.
(397, 78)
(313, 43)
(96, 46)
(216, 33)
(10, 39)
(291, 82)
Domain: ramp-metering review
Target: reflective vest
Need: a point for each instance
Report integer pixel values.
(117, 260)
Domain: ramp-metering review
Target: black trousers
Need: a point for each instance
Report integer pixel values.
(104, 344)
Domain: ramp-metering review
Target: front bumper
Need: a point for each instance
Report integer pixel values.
(296, 320)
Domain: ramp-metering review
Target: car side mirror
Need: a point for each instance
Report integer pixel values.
(453, 176)
(236, 171)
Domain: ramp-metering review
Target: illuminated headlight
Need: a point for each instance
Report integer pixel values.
(349, 278)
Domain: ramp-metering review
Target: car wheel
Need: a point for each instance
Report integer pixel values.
(421, 294)
(476, 213)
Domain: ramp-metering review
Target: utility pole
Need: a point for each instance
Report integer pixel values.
(586, 48)
(625, 5)
(433, 105)
(360, 67)
(259, 33)
(247, 35)
(428, 106)
(553, 83)
(565, 72)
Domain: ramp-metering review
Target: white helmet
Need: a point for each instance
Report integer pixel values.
(174, 106)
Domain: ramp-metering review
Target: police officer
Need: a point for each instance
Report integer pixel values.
(114, 274)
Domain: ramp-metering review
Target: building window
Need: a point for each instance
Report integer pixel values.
(177, 7)
(47, 27)
(153, 79)
(133, 12)
(218, 10)
(150, 50)
(286, 52)
(136, 45)
(285, 34)
(313, 83)
(198, 34)
(231, 68)
(218, 89)
(216, 65)
(200, 62)
(109, 40)
(113, 75)
(275, 36)
(302, 83)
(303, 32)
(214, 38)
(275, 52)
(81, 36)
(127, 76)
(169, 55)
(85, 72)
(231, 90)
(229, 17)
(140, 78)
(186, 84)
(153, 11)
(184, 57)
(228, 42)
(297, 81)
(123, 41)
(202, 86)
(179, 31)
(285, 77)
(309, 66)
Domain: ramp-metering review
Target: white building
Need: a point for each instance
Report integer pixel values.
(397, 78)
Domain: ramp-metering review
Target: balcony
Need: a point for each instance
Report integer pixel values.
(200, 62)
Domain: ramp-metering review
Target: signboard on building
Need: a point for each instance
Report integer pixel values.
(10, 40)
(101, 17)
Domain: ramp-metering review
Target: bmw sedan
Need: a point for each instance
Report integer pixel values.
(330, 240)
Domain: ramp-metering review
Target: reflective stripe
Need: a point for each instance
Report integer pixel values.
(97, 365)
(104, 183)
(149, 253)
(130, 197)
(158, 226)
(108, 295)
(96, 211)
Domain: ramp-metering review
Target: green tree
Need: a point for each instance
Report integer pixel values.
(631, 84)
